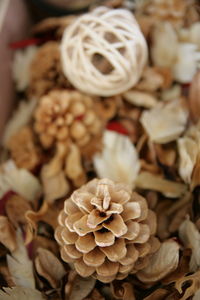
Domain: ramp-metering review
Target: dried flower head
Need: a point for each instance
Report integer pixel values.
(45, 70)
(24, 150)
(66, 115)
(106, 231)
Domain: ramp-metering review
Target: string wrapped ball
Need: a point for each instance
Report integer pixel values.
(103, 52)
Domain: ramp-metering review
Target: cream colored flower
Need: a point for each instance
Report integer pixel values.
(165, 122)
(188, 148)
(21, 67)
(118, 160)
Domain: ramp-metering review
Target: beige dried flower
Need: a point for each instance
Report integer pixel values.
(24, 150)
(166, 121)
(45, 70)
(106, 231)
(66, 115)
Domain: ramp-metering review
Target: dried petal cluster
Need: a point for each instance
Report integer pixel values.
(106, 231)
(66, 115)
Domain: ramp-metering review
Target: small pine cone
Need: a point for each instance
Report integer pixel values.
(106, 231)
(46, 71)
(66, 115)
(24, 150)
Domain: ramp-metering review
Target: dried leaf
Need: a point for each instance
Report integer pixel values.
(21, 117)
(119, 160)
(73, 166)
(49, 266)
(20, 266)
(20, 181)
(158, 294)
(194, 96)
(140, 98)
(21, 66)
(81, 288)
(171, 189)
(22, 293)
(163, 262)
(7, 234)
(193, 285)
(122, 290)
(196, 295)
(190, 237)
(165, 122)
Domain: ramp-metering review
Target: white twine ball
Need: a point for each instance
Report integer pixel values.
(103, 52)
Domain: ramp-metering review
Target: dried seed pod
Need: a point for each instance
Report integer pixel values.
(106, 231)
(64, 115)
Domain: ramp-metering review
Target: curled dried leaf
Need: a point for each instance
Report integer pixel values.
(165, 122)
(21, 117)
(20, 181)
(118, 160)
(22, 293)
(162, 263)
(7, 234)
(49, 266)
(171, 189)
(73, 166)
(190, 237)
(123, 290)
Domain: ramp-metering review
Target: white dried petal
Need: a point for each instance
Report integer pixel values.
(20, 118)
(20, 266)
(139, 98)
(165, 122)
(187, 60)
(118, 160)
(20, 181)
(190, 236)
(162, 263)
(191, 34)
(174, 92)
(22, 293)
(164, 45)
(21, 66)
(188, 148)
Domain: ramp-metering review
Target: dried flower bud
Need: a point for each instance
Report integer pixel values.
(66, 115)
(106, 231)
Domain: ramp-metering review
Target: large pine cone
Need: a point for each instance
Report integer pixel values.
(64, 115)
(106, 231)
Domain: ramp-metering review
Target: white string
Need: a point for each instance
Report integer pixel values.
(87, 37)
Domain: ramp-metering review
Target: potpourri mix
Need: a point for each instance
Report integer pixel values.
(100, 160)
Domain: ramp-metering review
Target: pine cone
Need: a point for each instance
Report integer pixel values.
(46, 71)
(66, 115)
(24, 150)
(106, 231)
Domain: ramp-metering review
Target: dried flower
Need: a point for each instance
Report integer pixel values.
(163, 262)
(165, 122)
(118, 160)
(45, 71)
(23, 148)
(106, 231)
(66, 115)
(21, 66)
(20, 181)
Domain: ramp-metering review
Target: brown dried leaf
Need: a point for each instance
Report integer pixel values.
(78, 288)
(159, 294)
(16, 208)
(22, 293)
(166, 155)
(171, 189)
(7, 234)
(49, 266)
(193, 280)
(163, 262)
(95, 295)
